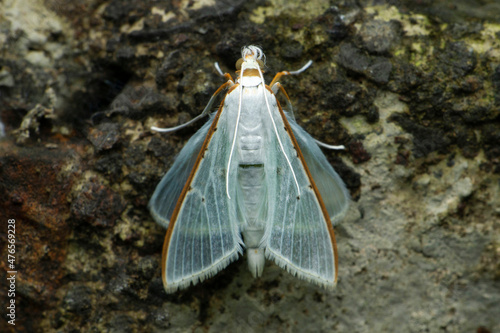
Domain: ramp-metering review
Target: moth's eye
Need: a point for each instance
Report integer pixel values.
(238, 63)
(261, 63)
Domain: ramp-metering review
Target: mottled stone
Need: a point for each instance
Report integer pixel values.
(104, 136)
(411, 90)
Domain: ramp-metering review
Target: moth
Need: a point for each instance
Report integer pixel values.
(250, 178)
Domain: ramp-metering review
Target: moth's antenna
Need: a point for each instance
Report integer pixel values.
(217, 67)
(276, 130)
(234, 137)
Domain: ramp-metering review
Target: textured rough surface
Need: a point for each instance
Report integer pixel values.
(411, 88)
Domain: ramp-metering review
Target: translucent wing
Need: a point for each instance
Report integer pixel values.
(331, 187)
(299, 234)
(164, 199)
(202, 237)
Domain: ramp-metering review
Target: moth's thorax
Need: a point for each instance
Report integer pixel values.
(249, 81)
(251, 77)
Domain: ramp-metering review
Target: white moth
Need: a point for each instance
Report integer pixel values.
(252, 179)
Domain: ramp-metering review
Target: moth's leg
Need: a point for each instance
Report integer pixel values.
(229, 83)
(327, 146)
(280, 74)
(277, 86)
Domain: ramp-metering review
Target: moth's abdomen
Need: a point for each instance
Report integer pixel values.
(251, 183)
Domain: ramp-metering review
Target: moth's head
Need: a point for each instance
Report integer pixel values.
(252, 57)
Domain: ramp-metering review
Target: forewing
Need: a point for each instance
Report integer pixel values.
(203, 236)
(166, 194)
(331, 187)
(299, 235)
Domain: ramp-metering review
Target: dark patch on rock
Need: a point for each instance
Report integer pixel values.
(118, 12)
(78, 300)
(358, 152)
(402, 158)
(292, 50)
(379, 36)
(353, 58)
(101, 87)
(490, 139)
(134, 155)
(122, 323)
(373, 115)
(110, 165)
(495, 79)
(343, 96)
(377, 69)
(351, 178)
(97, 205)
(333, 23)
(161, 149)
(426, 139)
(456, 59)
(160, 318)
(404, 77)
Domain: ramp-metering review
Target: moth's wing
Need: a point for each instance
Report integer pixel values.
(162, 203)
(299, 236)
(203, 236)
(331, 187)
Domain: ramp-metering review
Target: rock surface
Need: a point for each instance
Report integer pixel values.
(412, 91)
